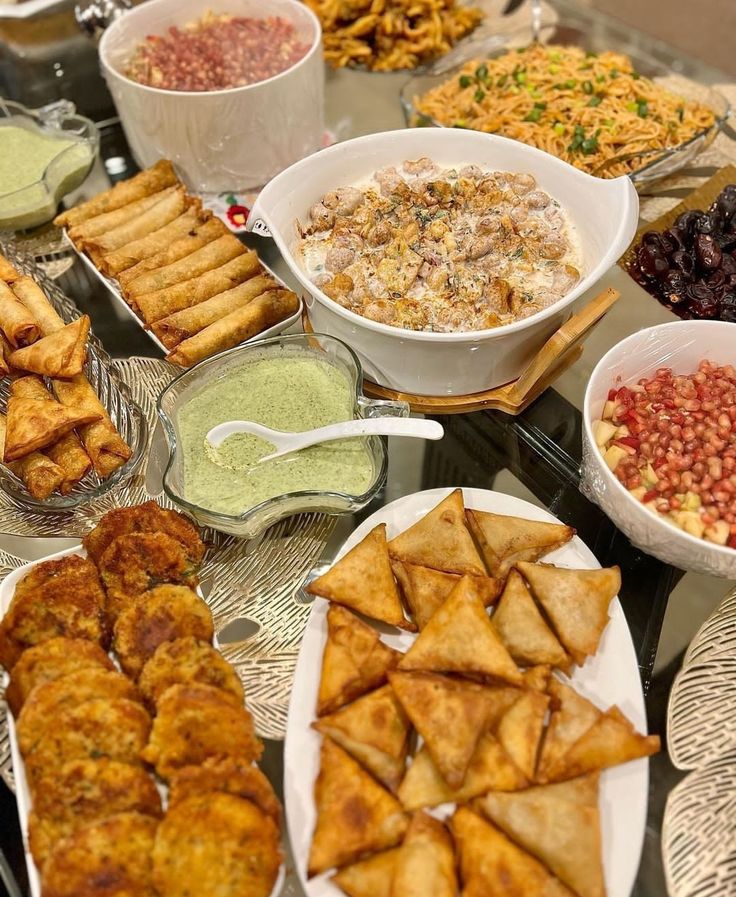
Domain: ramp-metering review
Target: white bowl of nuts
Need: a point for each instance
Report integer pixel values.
(659, 443)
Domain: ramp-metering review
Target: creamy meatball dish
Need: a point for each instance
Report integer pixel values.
(441, 250)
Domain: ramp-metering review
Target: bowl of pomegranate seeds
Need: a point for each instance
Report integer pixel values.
(232, 91)
(659, 443)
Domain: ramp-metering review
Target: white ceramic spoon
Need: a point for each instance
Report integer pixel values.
(286, 443)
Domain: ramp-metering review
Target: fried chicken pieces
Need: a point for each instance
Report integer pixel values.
(515, 748)
(87, 731)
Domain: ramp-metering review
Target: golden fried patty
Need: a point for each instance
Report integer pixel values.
(135, 563)
(56, 598)
(48, 661)
(230, 776)
(223, 843)
(46, 702)
(86, 791)
(195, 722)
(111, 858)
(159, 615)
(187, 660)
(103, 727)
(146, 518)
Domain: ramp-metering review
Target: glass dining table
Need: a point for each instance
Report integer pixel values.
(535, 455)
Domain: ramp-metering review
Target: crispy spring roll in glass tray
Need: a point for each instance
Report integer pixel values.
(17, 321)
(40, 475)
(102, 224)
(8, 273)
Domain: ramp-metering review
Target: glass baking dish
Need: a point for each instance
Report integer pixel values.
(36, 203)
(258, 518)
(595, 34)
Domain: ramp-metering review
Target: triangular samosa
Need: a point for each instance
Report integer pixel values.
(491, 864)
(449, 714)
(362, 580)
(460, 638)
(557, 827)
(490, 769)
(572, 716)
(375, 730)
(371, 877)
(575, 601)
(522, 629)
(355, 815)
(355, 660)
(537, 678)
(440, 540)
(60, 354)
(505, 540)
(426, 863)
(32, 424)
(520, 730)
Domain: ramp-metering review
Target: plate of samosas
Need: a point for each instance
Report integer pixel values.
(134, 754)
(467, 714)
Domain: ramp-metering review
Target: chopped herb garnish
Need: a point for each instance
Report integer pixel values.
(613, 74)
(635, 76)
(534, 114)
(600, 78)
(482, 72)
(587, 87)
(595, 101)
(465, 80)
(591, 55)
(460, 123)
(680, 112)
(479, 95)
(502, 81)
(643, 109)
(589, 145)
(558, 128)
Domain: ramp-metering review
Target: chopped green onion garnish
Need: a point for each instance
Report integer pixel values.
(460, 123)
(502, 81)
(600, 78)
(482, 71)
(680, 112)
(635, 76)
(553, 69)
(587, 87)
(643, 109)
(589, 145)
(632, 107)
(465, 80)
(479, 95)
(614, 73)
(558, 128)
(533, 115)
(595, 101)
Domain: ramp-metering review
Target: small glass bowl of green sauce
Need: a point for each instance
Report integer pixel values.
(291, 383)
(44, 154)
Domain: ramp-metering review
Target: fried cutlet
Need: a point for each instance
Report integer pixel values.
(230, 776)
(146, 518)
(195, 722)
(157, 616)
(46, 702)
(138, 562)
(111, 858)
(85, 791)
(48, 661)
(187, 660)
(223, 843)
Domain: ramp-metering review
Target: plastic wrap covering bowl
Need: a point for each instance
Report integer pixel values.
(681, 345)
(220, 139)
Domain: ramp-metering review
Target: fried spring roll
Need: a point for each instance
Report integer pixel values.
(264, 311)
(7, 272)
(68, 453)
(40, 475)
(129, 256)
(185, 323)
(152, 180)
(16, 320)
(163, 303)
(102, 224)
(34, 299)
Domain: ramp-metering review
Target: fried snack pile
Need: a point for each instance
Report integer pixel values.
(51, 438)
(511, 744)
(191, 281)
(90, 734)
(387, 35)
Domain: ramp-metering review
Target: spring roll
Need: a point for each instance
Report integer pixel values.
(7, 272)
(68, 453)
(163, 303)
(264, 311)
(110, 220)
(40, 475)
(153, 180)
(185, 323)
(16, 320)
(34, 299)
(134, 253)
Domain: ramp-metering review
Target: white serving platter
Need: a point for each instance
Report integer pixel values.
(610, 677)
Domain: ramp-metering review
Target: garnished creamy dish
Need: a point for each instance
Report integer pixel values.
(443, 250)
(291, 392)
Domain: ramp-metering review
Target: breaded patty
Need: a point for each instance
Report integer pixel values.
(48, 661)
(223, 843)
(135, 563)
(195, 722)
(230, 776)
(187, 660)
(44, 704)
(111, 858)
(103, 727)
(159, 615)
(56, 598)
(85, 791)
(146, 518)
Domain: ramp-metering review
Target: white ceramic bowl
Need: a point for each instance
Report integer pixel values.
(221, 139)
(680, 345)
(604, 212)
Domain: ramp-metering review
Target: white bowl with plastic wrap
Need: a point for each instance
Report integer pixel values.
(680, 345)
(219, 140)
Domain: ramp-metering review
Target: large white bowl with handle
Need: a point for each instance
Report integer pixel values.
(604, 212)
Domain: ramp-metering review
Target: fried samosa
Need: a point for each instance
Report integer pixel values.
(60, 354)
(426, 863)
(504, 540)
(33, 424)
(371, 877)
(520, 730)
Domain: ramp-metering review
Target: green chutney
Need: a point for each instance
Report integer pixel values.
(292, 392)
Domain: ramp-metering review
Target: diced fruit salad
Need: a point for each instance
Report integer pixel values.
(670, 439)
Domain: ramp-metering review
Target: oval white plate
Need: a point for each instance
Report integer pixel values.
(611, 677)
